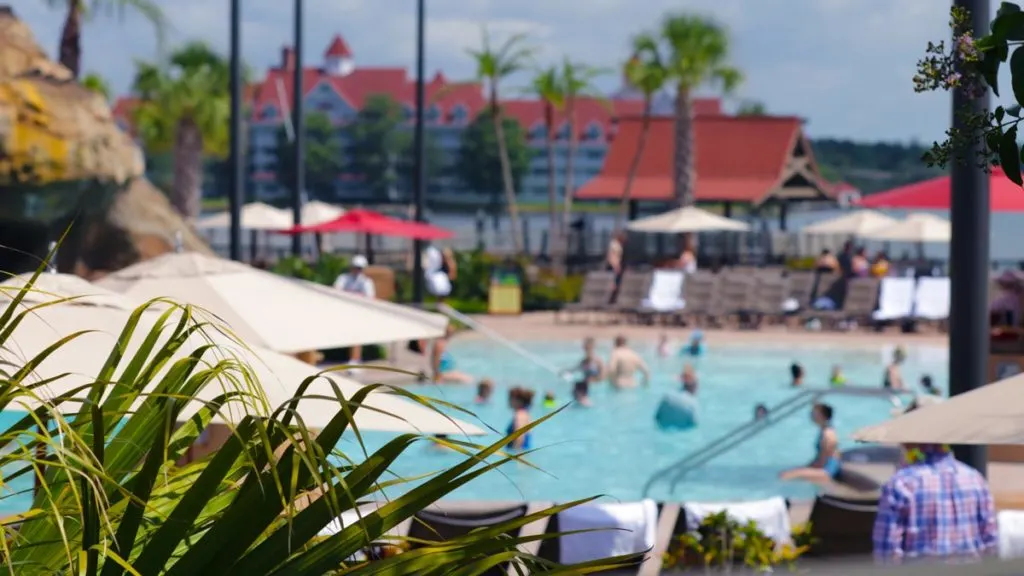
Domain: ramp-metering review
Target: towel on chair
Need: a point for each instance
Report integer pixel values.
(1011, 534)
(666, 290)
(616, 529)
(771, 516)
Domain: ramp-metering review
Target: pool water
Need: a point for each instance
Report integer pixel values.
(613, 447)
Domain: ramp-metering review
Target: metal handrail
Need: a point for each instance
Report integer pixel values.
(744, 432)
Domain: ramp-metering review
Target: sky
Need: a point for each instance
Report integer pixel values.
(843, 65)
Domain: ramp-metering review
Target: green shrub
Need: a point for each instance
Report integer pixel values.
(325, 270)
(721, 543)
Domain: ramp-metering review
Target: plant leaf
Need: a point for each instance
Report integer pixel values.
(1009, 155)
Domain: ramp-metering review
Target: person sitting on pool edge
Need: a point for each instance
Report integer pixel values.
(825, 467)
(442, 363)
(797, 373)
(520, 399)
(695, 347)
(484, 390)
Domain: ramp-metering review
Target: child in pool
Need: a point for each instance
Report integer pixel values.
(837, 378)
(549, 401)
(695, 347)
(519, 400)
(484, 390)
(664, 347)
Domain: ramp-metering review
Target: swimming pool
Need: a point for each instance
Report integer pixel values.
(613, 447)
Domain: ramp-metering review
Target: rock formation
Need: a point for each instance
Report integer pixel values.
(65, 165)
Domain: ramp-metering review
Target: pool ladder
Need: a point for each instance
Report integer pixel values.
(792, 405)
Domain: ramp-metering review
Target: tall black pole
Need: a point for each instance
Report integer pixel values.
(236, 160)
(969, 254)
(419, 177)
(299, 182)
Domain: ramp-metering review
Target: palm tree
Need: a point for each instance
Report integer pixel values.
(70, 49)
(696, 52)
(645, 72)
(578, 82)
(751, 108)
(185, 108)
(547, 86)
(97, 84)
(493, 66)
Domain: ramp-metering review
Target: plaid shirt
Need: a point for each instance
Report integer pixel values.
(935, 508)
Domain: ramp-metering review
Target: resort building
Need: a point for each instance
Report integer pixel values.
(338, 87)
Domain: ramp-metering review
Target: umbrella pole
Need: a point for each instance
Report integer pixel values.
(236, 179)
(969, 252)
(420, 172)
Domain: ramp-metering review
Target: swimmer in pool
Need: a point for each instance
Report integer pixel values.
(520, 399)
(760, 412)
(549, 401)
(590, 370)
(664, 347)
(484, 390)
(826, 464)
(695, 347)
(797, 373)
(837, 378)
(623, 364)
(443, 363)
(689, 379)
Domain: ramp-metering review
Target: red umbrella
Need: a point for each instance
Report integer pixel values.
(934, 194)
(375, 223)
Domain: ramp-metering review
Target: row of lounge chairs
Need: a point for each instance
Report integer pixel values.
(752, 298)
(840, 527)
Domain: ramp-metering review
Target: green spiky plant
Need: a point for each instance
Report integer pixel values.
(111, 500)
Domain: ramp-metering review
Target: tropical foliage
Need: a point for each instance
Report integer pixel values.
(323, 156)
(112, 498)
(693, 51)
(478, 165)
(722, 544)
(184, 108)
(493, 66)
(70, 49)
(548, 88)
(971, 64)
(375, 142)
(97, 84)
(577, 82)
(646, 72)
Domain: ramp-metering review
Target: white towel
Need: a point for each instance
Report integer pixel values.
(931, 301)
(666, 291)
(895, 299)
(617, 529)
(1011, 534)
(438, 283)
(771, 516)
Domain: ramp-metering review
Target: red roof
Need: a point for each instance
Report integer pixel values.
(739, 159)
(934, 194)
(338, 48)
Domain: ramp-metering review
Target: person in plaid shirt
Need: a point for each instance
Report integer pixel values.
(934, 507)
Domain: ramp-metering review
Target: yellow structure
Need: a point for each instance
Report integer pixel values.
(31, 152)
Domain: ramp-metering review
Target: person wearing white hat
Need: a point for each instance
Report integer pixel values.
(355, 281)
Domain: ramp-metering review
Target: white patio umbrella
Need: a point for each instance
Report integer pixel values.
(853, 224)
(919, 227)
(688, 219)
(992, 414)
(317, 212)
(255, 216)
(272, 311)
(105, 314)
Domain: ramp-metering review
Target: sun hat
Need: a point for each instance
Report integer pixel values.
(359, 261)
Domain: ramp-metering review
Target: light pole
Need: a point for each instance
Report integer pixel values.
(298, 124)
(236, 160)
(419, 176)
(969, 253)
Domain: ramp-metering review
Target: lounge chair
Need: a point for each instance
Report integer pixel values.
(895, 299)
(665, 297)
(698, 293)
(800, 286)
(633, 290)
(842, 526)
(594, 296)
(931, 300)
(770, 295)
(860, 302)
(734, 299)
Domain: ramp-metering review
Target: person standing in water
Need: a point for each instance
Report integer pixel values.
(825, 466)
(797, 373)
(590, 370)
(484, 389)
(664, 346)
(520, 399)
(623, 365)
(695, 347)
(893, 378)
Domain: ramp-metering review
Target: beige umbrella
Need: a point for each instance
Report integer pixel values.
(688, 219)
(920, 227)
(317, 212)
(992, 414)
(272, 311)
(105, 314)
(255, 216)
(853, 224)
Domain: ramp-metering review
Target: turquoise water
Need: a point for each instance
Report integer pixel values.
(613, 447)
